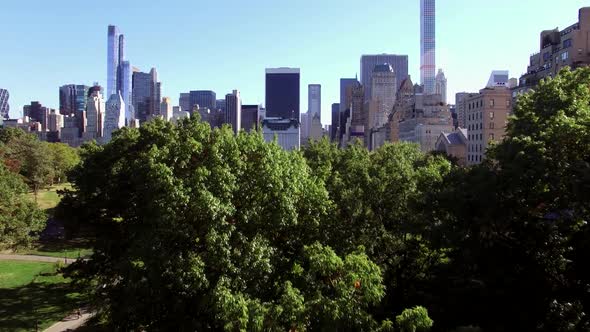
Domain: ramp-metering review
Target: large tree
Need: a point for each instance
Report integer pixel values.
(20, 219)
(202, 229)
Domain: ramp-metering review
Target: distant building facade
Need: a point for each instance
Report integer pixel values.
(454, 144)
(4, 106)
(250, 117)
(440, 85)
(486, 120)
(399, 63)
(286, 132)
(203, 98)
(557, 49)
(114, 116)
(428, 45)
(146, 94)
(233, 113)
(282, 93)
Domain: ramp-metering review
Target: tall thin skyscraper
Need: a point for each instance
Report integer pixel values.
(112, 59)
(399, 63)
(314, 100)
(427, 45)
(233, 112)
(4, 107)
(282, 93)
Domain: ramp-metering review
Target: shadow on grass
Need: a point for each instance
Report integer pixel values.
(37, 305)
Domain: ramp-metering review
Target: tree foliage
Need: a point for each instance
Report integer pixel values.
(20, 219)
(201, 229)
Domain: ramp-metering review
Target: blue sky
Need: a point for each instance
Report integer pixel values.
(226, 44)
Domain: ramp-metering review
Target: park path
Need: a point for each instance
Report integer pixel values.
(71, 322)
(33, 258)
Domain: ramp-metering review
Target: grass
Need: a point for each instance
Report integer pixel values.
(47, 199)
(63, 248)
(34, 293)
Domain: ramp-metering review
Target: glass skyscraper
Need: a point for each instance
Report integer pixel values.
(203, 98)
(282, 93)
(427, 45)
(4, 107)
(119, 71)
(112, 60)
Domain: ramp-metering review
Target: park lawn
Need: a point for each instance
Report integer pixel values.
(47, 199)
(34, 293)
(73, 248)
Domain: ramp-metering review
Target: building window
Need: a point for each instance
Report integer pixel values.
(480, 137)
(567, 43)
(491, 115)
(508, 102)
(491, 125)
(491, 137)
(564, 56)
(546, 57)
(480, 126)
(492, 102)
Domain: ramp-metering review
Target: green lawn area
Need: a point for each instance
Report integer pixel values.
(47, 199)
(32, 292)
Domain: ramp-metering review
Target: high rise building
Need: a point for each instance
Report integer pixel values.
(206, 99)
(440, 85)
(166, 111)
(383, 92)
(305, 122)
(557, 49)
(233, 111)
(54, 121)
(282, 93)
(399, 63)
(119, 71)
(4, 106)
(427, 45)
(184, 102)
(250, 116)
(114, 116)
(345, 95)
(461, 107)
(126, 91)
(112, 59)
(72, 99)
(486, 118)
(220, 105)
(95, 114)
(37, 113)
(335, 121)
(314, 100)
(499, 78)
(146, 94)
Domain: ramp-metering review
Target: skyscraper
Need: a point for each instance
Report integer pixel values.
(314, 100)
(72, 99)
(184, 101)
(166, 109)
(399, 63)
(4, 106)
(119, 71)
(95, 113)
(383, 92)
(250, 114)
(114, 116)
(146, 94)
(203, 98)
(282, 93)
(335, 121)
(440, 85)
(37, 113)
(427, 44)
(112, 59)
(233, 110)
(345, 98)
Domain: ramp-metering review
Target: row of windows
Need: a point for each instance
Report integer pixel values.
(475, 158)
(475, 127)
(475, 148)
(475, 136)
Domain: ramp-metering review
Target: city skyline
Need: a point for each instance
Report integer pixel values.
(148, 48)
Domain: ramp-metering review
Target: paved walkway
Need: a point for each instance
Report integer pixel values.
(71, 322)
(33, 258)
